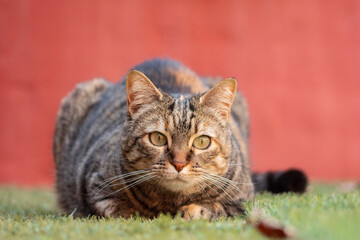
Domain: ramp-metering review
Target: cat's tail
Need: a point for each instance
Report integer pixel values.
(292, 180)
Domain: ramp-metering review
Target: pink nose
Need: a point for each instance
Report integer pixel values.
(179, 165)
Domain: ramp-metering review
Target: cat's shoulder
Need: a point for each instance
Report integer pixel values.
(84, 94)
(74, 107)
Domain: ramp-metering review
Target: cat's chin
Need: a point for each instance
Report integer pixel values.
(178, 185)
(178, 181)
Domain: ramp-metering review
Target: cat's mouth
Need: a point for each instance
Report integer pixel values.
(179, 183)
(176, 178)
(179, 179)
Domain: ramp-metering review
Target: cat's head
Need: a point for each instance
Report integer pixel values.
(178, 140)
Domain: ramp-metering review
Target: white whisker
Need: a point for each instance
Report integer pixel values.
(228, 181)
(110, 181)
(229, 185)
(217, 184)
(141, 180)
(126, 181)
(213, 181)
(203, 189)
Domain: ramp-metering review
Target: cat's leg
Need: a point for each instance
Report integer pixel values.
(102, 197)
(112, 208)
(106, 208)
(210, 210)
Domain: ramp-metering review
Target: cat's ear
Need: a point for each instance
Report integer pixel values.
(220, 97)
(140, 91)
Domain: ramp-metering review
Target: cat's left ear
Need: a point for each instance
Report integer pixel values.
(220, 97)
(140, 91)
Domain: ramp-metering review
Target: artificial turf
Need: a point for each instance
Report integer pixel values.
(324, 213)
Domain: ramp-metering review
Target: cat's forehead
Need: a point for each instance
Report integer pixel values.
(181, 120)
(181, 102)
(181, 97)
(182, 114)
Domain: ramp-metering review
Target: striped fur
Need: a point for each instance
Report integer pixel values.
(107, 166)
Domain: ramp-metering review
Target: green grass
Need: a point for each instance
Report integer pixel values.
(324, 213)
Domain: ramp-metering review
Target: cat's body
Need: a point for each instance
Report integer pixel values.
(107, 163)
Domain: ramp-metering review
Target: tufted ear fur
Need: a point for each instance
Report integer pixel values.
(140, 91)
(220, 97)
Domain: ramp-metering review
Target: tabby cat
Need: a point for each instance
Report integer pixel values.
(161, 140)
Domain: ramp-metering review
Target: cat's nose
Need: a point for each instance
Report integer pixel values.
(179, 165)
(179, 160)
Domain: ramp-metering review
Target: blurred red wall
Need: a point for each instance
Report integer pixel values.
(297, 62)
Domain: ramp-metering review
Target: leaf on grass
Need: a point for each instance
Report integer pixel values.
(273, 229)
(268, 226)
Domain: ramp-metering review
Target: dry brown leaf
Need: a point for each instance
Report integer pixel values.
(272, 229)
(268, 226)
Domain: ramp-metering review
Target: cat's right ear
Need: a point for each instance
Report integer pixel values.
(221, 96)
(140, 91)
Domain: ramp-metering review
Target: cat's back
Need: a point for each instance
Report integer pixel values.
(172, 77)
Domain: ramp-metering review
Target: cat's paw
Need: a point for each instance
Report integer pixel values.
(195, 212)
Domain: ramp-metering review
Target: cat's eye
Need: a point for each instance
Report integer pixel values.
(202, 142)
(158, 139)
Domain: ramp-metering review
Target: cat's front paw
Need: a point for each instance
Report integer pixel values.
(194, 212)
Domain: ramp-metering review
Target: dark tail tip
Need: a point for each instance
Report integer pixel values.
(292, 180)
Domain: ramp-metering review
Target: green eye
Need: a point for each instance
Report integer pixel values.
(158, 139)
(202, 142)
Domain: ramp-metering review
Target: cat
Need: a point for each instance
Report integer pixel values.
(162, 140)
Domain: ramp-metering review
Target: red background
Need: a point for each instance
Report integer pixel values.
(297, 62)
